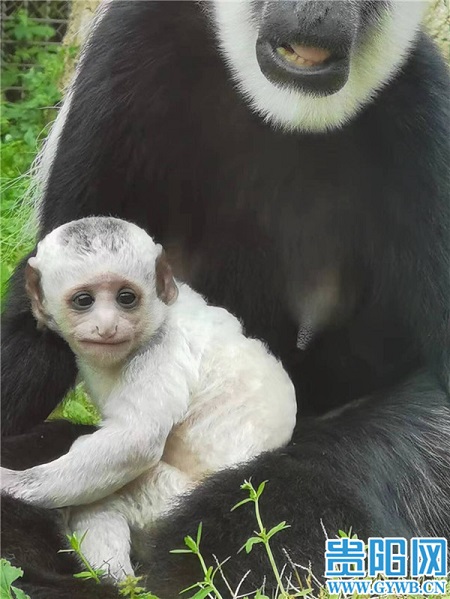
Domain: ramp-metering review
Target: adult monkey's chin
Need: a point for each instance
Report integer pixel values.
(311, 65)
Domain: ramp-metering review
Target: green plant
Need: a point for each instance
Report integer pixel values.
(75, 547)
(208, 588)
(127, 588)
(77, 408)
(8, 575)
(37, 70)
(262, 535)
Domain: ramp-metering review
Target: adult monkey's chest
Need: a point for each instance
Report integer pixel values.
(276, 238)
(274, 215)
(262, 221)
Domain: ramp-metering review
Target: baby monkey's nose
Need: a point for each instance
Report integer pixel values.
(106, 332)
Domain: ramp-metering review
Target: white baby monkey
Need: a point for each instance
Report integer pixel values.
(181, 391)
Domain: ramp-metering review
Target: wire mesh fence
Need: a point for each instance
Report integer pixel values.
(15, 18)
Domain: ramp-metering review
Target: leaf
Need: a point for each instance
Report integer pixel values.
(247, 485)
(347, 535)
(74, 542)
(19, 594)
(83, 575)
(302, 593)
(99, 572)
(78, 412)
(180, 551)
(202, 593)
(193, 586)
(261, 488)
(129, 588)
(189, 542)
(279, 527)
(250, 542)
(42, 31)
(247, 500)
(199, 534)
(8, 574)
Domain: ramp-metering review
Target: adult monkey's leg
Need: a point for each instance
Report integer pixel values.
(45, 443)
(380, 466)
(31, 540)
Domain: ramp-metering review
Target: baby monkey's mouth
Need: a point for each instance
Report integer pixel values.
(303, 56)
(105, 342)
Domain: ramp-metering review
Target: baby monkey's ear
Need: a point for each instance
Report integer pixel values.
(166, 287)
(34, 291)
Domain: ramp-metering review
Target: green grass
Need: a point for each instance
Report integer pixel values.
(17, 230)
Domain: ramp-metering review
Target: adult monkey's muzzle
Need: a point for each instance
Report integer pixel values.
(306, 44)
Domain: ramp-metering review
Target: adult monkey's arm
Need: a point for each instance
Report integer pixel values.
(38, 368)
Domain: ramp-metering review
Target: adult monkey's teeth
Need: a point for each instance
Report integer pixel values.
(303, 55)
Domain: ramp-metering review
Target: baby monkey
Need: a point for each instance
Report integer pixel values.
(181, 391)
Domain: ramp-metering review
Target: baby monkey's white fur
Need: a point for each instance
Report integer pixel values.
(183, 395)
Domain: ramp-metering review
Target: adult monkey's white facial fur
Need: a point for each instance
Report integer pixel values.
(182, 392)
(312, 66)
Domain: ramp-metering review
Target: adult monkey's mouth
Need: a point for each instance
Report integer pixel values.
(313, 70)
(306, 45)
(303, 56)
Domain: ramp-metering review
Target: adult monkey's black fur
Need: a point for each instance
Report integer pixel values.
(347, 228)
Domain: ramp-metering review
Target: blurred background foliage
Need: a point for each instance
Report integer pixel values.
(437, 22)
(32, 66)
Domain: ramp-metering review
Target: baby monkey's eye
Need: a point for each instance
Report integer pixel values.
(82, 300)
(126, 298)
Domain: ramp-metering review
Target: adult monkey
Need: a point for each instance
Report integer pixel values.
(296, 158)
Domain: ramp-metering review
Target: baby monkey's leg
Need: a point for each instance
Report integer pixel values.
(107, 541)
(137, 506)
(150, 497)
(152, 494)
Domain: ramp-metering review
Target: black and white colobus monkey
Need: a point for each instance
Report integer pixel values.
(294, 158)
(181, 390)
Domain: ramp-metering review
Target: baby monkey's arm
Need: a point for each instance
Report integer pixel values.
(129, 441)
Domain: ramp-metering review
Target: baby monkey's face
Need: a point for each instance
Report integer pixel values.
(103, 285)
(106, 319)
